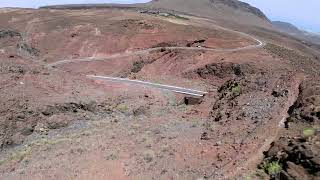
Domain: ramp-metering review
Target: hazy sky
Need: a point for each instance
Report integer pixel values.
(303, 13)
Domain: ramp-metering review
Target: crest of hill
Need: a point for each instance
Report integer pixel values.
(230, 10)
(208, 6)
(286, 27)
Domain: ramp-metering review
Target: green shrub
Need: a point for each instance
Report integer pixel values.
(308, 132)
(273, 168)
(181, 17)
(122, 108)
(236, 89)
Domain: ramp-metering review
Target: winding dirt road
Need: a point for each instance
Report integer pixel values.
(258, 44)
(192, 92)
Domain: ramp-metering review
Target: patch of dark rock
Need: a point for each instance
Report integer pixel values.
(280, 93)
(230, 89)
(164, 171)
(69, 107)
(192, 100)
(294, 154)
(164, 44)
(9, 33)
(21, 116)
(228, 93)
(27, 131)
(28, 49)
(299, 155)
(237, 69)
(56, 125)
(287, 122)
(306, 108)
(196, 43)
(74, 35)
(137, 66)
(200, 41)
(15, 69)
(162, 49)
(307, 117)
(18, 124)
(223, 70)
(140, 111)
(15, 126)
(218, 117)
(204, 136)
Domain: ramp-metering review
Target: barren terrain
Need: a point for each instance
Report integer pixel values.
(56, 123)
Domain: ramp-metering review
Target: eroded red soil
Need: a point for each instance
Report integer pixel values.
(58, 124)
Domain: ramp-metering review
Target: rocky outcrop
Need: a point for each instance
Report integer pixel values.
(297, 150)
(9, 33)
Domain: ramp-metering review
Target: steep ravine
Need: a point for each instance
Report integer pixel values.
(295, 152)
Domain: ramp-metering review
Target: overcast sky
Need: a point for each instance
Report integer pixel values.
(303, 13)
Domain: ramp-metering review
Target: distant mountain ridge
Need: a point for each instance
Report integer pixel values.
(296, 32)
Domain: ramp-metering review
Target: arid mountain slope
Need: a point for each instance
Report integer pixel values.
(286, 27)
(209, 8)
(56, 123)
(231, 10)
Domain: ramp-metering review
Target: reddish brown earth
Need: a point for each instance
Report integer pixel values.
(57, 124)
(296, 149)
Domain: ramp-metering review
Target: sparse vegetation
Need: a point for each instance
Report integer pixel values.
(113, 156)
(236, 89)
(273, 168)
(122, 108)
(301, 61)
(308, 132)
(180, 17)
(137, 66)
(17, 156)
(57, 118)
(218, 117)
(164, 14)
